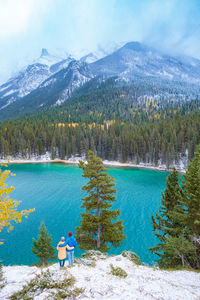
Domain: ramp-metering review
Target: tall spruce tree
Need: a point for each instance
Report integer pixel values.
(99, 226)
(43, 247)
(191, 190)
(169, 220)
(191, 201)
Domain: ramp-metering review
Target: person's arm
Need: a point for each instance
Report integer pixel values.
(69, 248)
(63, 245)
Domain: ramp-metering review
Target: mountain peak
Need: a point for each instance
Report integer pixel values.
(136, 46)
(44, 52)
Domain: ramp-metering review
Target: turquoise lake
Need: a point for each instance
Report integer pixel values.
(54, 190)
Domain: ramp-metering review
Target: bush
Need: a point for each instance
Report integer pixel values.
(69, 294)
(132, 257)
(118, 271)
(45, 281)
(86, 262)
(94, 255)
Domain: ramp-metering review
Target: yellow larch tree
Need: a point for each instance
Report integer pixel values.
(8, 206)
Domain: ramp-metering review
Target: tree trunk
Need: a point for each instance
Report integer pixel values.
(99, 226)
(182, 259)
(43, 262)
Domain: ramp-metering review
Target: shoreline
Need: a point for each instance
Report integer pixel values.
(74, 161)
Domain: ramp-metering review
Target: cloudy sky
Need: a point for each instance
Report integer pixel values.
(26, 26)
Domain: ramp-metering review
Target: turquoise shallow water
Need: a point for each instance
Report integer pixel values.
(54, 190)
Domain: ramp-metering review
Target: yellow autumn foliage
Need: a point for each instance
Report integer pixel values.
(73, 125)
(60, 124)
(8, 206)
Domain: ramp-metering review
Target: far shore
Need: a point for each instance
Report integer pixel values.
(105, 162)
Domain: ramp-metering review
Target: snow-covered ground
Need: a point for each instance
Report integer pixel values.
(98, 283)
(181, 166)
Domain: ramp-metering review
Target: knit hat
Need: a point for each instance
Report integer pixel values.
(69, 233)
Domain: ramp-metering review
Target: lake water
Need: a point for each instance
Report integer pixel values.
(54, 190)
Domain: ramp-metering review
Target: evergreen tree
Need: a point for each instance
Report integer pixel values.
(191, 190)
(179, 249)
(191, 201)
(43, 247)
(97, 227)
(169, 220)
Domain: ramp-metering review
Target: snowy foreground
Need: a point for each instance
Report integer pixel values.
(93, 280)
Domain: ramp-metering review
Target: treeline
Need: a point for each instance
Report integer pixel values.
(114, 123)
(153, 141)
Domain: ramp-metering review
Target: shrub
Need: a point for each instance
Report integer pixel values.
(118, 271)
(2, 280)
(132, 257)
(42, 282)
(94, 255)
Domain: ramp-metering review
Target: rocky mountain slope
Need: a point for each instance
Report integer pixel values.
(31, 77)
(135, 59)
(51, 80)
(100, 277)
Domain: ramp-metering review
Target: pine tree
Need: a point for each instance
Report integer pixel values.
(169, 220)
(178, 249)
(191, 190)
(43, 247)
(191, 201)
(98, 228)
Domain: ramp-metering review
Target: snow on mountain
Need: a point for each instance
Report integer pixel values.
(31, 77)
(93, 280)
(132, 61)
(55, 89)
(48, 59)
(67, 80)
(135, 59)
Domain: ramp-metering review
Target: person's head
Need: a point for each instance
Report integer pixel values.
(62, 239)
(69, 233)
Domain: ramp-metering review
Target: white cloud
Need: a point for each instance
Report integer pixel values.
(17, 15)
(26, 26)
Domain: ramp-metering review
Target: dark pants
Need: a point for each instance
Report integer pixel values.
(62, 262)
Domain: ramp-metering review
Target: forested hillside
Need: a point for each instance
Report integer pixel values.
(118, 123)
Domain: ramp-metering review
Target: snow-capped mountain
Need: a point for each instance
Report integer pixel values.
(136, 59)
(52, 91)
(64, 82)
(51, 80)
(31, 77)
(48, 59)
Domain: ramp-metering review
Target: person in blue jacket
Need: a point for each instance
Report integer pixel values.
(71, 242)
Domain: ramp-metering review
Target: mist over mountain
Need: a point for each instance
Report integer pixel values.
(51, 80)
